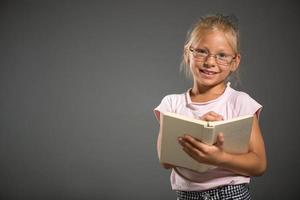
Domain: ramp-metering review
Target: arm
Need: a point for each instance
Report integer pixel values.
(252, 163)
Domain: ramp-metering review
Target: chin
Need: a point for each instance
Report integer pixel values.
(206, 82)
(209, 83)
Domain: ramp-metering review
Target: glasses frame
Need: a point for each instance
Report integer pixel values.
(197, 55)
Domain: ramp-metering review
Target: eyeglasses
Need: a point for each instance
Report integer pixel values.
(220, 58)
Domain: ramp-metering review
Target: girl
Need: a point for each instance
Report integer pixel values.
(211, 55)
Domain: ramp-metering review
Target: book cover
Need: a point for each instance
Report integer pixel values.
(236, 137)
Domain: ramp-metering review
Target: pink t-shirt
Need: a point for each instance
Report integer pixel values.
(230, 104)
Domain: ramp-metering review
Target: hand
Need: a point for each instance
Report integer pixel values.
(212, 116)
(203, 153)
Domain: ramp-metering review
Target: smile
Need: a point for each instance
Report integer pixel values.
(207, 72)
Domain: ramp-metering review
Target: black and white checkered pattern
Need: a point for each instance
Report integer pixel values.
(233, 192)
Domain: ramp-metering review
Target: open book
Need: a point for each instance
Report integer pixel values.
(236, 137)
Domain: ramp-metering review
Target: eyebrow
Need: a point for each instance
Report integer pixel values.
(207, 49)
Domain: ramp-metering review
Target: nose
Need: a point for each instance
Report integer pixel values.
(210, 61)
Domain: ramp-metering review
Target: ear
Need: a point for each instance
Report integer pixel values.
(235, 63)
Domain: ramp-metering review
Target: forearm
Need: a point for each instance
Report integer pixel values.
(253, 163)
(249, 164)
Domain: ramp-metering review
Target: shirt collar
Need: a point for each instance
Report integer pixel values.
(189, 101)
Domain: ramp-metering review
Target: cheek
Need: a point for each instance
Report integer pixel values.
(225, 74)
(193, 66)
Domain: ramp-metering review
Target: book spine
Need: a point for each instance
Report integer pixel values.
(208, 135)
(209, 124)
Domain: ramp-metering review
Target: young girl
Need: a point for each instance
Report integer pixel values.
(211, 55)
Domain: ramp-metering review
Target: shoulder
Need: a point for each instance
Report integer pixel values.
(170, 103)
(173, 100)
(239, 96)
(243, 103)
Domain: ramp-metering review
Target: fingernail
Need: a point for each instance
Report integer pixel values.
(180, 140)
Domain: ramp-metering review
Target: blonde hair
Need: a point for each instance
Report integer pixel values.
(226, 24)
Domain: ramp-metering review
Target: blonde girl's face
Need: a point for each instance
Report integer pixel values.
(210, 71)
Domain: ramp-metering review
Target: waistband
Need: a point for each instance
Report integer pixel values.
(240, 191)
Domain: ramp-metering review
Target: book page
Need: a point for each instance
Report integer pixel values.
(171, 150)
(236, 134)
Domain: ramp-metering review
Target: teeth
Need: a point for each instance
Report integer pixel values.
(207, 72)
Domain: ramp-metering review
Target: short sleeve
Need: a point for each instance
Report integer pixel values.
(247, 105)
(164, 106)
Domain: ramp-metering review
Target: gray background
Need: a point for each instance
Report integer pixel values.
(79, 81)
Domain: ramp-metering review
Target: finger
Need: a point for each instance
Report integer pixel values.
(185, 143)
(212, 116)
(193, 153)
(191, 150)
(196, 143)
(213, 113)
(216, 115)
(208, 117)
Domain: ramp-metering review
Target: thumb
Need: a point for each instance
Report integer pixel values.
(220, 140)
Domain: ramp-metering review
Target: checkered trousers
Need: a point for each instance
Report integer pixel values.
(232, 192)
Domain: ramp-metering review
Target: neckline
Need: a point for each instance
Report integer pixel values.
(189, 101)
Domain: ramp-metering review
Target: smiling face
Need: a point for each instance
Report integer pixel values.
(209, 71)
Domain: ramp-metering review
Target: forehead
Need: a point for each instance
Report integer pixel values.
(214, 39)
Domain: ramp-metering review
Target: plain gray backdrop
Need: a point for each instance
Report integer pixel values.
(79, 81)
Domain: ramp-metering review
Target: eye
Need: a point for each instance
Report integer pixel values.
(201, 51)
(222, 56)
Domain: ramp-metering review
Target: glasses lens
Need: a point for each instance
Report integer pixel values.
(222, 61)
(202, 55)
